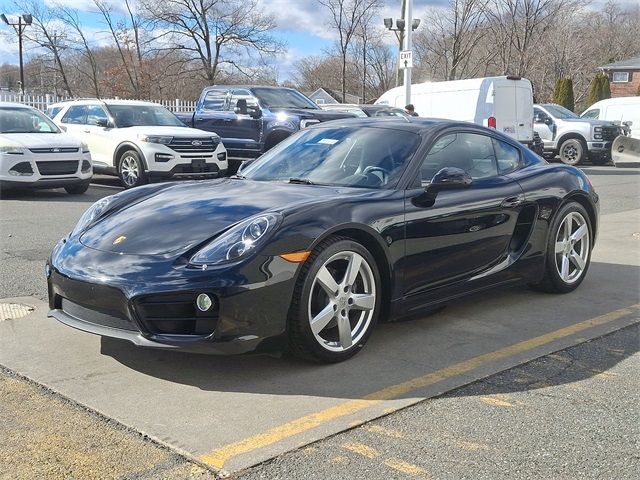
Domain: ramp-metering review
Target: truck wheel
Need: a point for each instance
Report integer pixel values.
(572, 151)
(130, 170)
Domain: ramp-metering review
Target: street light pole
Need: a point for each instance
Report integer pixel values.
(408, 17)
(28, 19)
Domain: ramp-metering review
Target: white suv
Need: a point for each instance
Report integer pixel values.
(34, 153)
(135, 140)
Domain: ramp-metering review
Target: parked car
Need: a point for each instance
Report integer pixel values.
(340, 226)
(366, 110)
(504, 103)
(251, 120)
(573, 138)
(137, 140)
(623, 110)
(35, 153)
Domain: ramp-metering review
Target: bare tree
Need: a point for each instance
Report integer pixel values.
(346, 18)
(215, 33)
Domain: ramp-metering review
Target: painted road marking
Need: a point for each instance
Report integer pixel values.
(388, 432)
(220, 456)
(361, 449)
(496, 402)
(404, 467)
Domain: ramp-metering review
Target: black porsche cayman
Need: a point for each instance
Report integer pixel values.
(338, 227)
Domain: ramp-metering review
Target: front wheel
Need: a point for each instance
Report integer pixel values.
(568, 250)
(131, 170)
(336, 302)
(572, 151)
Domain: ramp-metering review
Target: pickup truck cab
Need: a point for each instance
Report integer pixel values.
(252, 119)
(573, 138)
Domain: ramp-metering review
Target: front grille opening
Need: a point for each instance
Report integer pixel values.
(523, 228)
(58, 168)
(54, 150)
(193, 145)
(196, 167)
(177, 314)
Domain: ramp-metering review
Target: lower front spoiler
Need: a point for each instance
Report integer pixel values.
(230, 346)
(44, 183)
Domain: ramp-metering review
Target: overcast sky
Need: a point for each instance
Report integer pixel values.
(301, 24)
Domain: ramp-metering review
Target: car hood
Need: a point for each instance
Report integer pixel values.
(41, 140)
(186, 214)
(322, 115)
(591, 121)
(164, 130)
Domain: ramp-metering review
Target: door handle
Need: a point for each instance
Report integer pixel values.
(512, 201)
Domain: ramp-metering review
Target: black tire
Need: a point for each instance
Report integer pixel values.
(302, 341)
(552, 281)
(131, 170)
(573, 151)
(77, 189)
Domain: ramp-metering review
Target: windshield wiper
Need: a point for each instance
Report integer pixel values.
(303, 181)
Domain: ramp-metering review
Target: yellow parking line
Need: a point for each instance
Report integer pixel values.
(388, 432)
(496, 402)
(404, 467)
(361, 449)
(220, 456)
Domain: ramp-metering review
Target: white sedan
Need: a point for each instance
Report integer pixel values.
(35, 153)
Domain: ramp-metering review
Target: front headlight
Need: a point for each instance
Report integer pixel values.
(91, 214)
(164, 140)
(238, 241)
(12, 150)
(85, 147)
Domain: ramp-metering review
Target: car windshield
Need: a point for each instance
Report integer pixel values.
(25, 120)
(367, 157)
(560, 112)
(143, 115)
(283, 98)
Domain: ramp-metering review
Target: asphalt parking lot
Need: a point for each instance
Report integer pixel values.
(527, 384)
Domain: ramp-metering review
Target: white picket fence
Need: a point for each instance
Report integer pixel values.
(42, 101)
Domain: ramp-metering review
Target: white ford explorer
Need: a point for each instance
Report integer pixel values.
(136, 140)
(35, 153)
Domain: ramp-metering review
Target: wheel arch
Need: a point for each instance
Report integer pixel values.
(372, 241)
(571, 135)
(123, 147)
(582, 199)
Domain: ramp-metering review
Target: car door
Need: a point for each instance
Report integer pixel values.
(465, 231)
(213, 113)
(99, 137)
(246, 130)
(543, 124)
(74, 121)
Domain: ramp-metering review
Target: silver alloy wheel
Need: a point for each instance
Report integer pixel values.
(129, 170)
(342, 301)
(572, 247)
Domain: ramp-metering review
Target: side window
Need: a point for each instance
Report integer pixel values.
(242, 95)
(470, 152)
(75, 114)
(507, 155)
(53, 111)
(95, 113)
(595, 113)
(215, 100)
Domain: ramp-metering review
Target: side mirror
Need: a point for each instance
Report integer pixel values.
(539, 118)
(628, 123)
(241, 110)
(62, 127)
(449, 178)
(103, 122)
(255, 112)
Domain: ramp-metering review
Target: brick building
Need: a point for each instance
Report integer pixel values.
(624, 77)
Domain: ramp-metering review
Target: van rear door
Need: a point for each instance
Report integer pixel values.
(524, 110)
(513, 108)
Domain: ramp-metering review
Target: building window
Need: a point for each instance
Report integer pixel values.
(620, 77)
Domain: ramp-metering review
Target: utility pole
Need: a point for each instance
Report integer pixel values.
(407, 46)
(23, 21)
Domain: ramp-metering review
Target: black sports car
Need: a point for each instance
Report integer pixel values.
(339, 226)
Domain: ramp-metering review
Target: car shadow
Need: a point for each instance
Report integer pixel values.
(400, 351)
(607, 171)
(52, 195)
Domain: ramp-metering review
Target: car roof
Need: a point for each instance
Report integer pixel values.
(15, 105)
(106, 101)
(249, 87)
(419, 125)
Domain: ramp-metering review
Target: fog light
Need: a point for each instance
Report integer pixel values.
(204, 302)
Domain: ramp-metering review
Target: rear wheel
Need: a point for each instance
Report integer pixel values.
(336, 302)
(131, 170)
(568, 250)
(572, 151)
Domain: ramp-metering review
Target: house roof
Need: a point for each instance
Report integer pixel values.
(337, 96)
(628, 63)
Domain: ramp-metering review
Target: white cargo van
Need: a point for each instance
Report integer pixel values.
(504, 103)
(621, 109)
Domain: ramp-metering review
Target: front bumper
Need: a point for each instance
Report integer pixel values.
(601, 148)
(44, 171)
(163, 160)
(107, 294)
